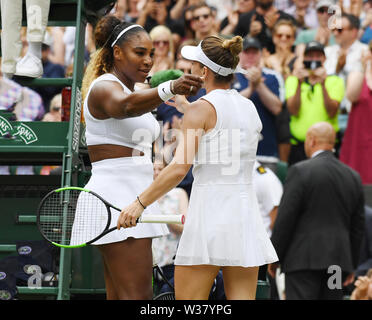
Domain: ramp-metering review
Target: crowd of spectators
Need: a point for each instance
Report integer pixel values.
(305, 61)
(282, 38)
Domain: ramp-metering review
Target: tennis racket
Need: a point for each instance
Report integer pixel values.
(74, 217)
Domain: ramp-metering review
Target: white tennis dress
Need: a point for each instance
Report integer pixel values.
(120, 180)
(223, 225)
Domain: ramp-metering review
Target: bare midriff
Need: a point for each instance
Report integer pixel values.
(110, 151)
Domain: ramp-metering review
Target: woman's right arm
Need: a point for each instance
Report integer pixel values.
(354, 85)
(177, 9)
(294, 102)
(108, 100)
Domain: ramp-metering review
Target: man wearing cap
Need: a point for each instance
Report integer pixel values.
(312, 96)
(265, 87)
(322, 33)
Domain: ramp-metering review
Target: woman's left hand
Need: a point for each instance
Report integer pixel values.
(129, 215)
(179, 102)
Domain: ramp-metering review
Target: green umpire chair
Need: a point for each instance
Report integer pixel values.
(50, 143)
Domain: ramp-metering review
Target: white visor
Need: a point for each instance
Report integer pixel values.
(196, 54)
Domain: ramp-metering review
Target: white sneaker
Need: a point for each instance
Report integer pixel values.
(29, 66)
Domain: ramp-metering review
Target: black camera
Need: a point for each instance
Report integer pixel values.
(312, 65)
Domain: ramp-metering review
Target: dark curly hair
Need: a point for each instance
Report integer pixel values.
(102, 60)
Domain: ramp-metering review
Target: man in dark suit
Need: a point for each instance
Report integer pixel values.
(320, 221)
(365, 260)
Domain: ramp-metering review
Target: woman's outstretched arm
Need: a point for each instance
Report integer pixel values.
(108, 100)
(193, 128)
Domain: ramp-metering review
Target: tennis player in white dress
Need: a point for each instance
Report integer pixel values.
(224, 228)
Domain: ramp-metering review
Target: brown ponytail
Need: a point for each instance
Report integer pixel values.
(224, 52)
(235, 46)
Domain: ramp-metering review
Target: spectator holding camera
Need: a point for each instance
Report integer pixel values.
(312, 96)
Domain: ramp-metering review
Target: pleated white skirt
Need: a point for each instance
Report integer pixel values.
(119, 181)
(224, 228)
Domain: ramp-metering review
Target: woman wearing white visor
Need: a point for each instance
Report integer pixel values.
(224, 229)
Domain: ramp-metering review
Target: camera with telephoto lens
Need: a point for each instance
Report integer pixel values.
(312, 65)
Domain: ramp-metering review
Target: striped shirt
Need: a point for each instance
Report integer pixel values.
(29, 101)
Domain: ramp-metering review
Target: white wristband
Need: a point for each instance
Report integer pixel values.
(164, 90)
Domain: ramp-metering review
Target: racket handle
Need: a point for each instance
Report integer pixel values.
(179, 219)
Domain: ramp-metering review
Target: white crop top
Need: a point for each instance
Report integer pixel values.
(137, 132)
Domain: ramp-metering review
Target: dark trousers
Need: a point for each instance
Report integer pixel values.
(310, 285)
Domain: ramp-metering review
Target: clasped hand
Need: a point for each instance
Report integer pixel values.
(129, 215)
(254, 75)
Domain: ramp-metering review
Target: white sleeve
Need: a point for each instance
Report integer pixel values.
(269, 190)
(274, 188)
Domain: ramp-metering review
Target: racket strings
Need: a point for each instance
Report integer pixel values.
(72, 217)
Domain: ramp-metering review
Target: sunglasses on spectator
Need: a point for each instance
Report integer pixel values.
(281, 35)
(323, 10)
(204, 16)
(159, 42)
(339, 31)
